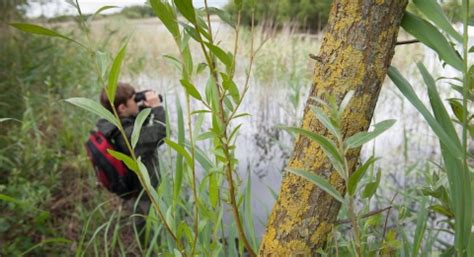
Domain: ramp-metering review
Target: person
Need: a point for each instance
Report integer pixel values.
(151, 136)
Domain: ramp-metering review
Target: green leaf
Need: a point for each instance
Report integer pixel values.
(457, 108)
(102, 62)
(181, 150)
(407, 90)
(129, 162)
(234, 132)
(326, 121)
(185, 7)
(241, 115)
(355, 178)
(440, 112)
(442, 210)
(7, 198)
(114, 73)
(138, 125)
(164, 11)
(430, 36)
(371, 187)
(319, 181)
(223, 15)
(420, 229)
(94, 107)
(361, 138)
(173, 60)
(206, 135)
(191, 89)
(249, 213)
(458, 175)
(200, 68)
(7, 119)
(213, 189)
(326, 145)
(179, 166)
(143, 171)
(432, 10)
(229, 84)
(35, 29)
(220, 54)
(101, 9)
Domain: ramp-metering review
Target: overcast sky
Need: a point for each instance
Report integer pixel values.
(59, 7)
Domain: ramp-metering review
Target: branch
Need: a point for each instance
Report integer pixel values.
(371, 213)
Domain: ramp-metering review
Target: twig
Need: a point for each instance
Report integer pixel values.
(388, 214)
(407, 42)
(315, 57)
(371, 213)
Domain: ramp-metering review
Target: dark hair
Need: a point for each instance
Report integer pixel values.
(124, 92)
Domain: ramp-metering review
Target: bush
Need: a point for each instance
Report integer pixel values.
(306, 14)
(137, 12)
(36, 145)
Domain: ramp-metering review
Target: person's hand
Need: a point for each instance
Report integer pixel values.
(151, 99)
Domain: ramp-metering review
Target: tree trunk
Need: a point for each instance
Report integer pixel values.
(356, 52)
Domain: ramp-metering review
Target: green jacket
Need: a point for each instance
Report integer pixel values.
(151, 136)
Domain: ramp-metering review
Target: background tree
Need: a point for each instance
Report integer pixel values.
(356, 51)
(307, 14)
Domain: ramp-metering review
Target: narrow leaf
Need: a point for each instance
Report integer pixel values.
(138, 125)
(355, 178)
(420, 227)
(326, 145)
(129, 162)
(229, 84)
(114, 73)
(180, 149)
(166, 14)
(326, 121)
(191, 89)
(223, 15)
(186, 8)
(220, 54)
(8, 198)
(407, 90)
(94, 107)
(430, 36)
(361, 138)
(35, 29)
(319, 181)
(432, 10)
(101, 9)
(371, 187)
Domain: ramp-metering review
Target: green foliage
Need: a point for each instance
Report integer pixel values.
(456, 204)
(39, 149)
(306, 14)
(137, 12)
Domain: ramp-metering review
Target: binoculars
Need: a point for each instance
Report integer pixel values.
(140, 96)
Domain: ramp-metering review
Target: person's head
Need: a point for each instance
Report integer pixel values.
(124, 100)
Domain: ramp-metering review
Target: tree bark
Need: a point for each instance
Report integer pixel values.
(356, 52)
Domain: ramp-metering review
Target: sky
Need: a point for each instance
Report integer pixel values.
(60, 7)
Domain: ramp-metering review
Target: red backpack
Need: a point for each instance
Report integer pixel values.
(112, 173)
